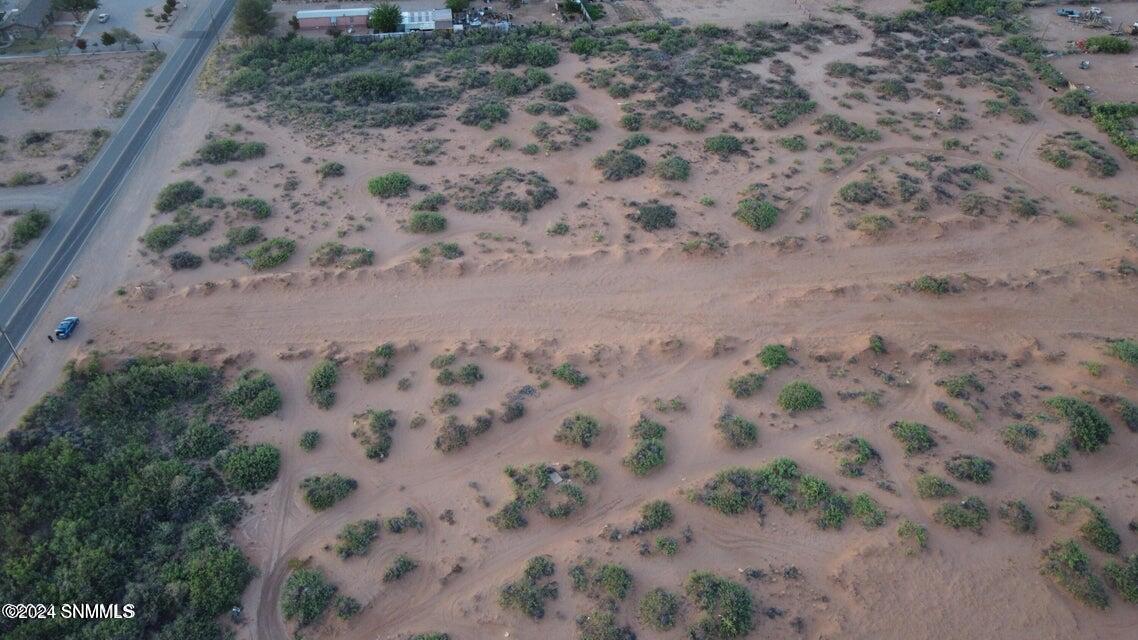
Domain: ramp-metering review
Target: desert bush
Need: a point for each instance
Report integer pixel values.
(799, 395)
(257, 208)
(372, 429)
(1074, 103)
(842, 129)
(161, 237)
(673, 168)
(1020, 437)
(916, 536)
(961, 386)
(400, 567)
(1068, 564)
(249, 467)
(723, 145)
(484, 114)
(178, 194)
(1125, 350)
(647, 454)
(26, 228)
(932, 284)
(656, 514)
(1088, 430)
(727, 608)
(309, 440)
(632, 121)
(570, 375)
(654, 216)
(560, 92)
(618, 165)
(970, 468)
(426, 222)
(873, 223)
(970, 513)
(330, 170)
(867, 511)
(659, 609)
(240, 236)
(324, 491)
(773, 356)
(184, 260)
(932, 487)
(646, 428)
(853, 466)
(253, 395)
(320, 382)
(579, 429)
(860, 192)
(1107, 44)
(634, 141)
(737, 431)
(305, 596)
(1124, 577)
(201, 439)
(1017, 515)
(529, 593)
(914, 436)
(746, 385)
(389, 185)
(877, 344)
(222, 150)
(600, 625)
(795, 143)
(271, 253)
(356, 537)
(1098, 532)
(759, 215)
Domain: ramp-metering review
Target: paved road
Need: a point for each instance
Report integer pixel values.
(40, 274)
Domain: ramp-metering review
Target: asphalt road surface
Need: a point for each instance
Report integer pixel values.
(40, 274)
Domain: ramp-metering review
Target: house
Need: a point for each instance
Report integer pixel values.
(24, 18)
(355, 19)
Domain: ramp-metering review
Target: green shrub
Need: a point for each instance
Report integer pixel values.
(201, 439)
(633, 141)
(916, 535)
(579, 429)
(673, 168)
(529, 593)
(727, 608)
(1125, 350)
(305, 596)
(570, 375)
(240, 236)
(161, 237)
(877, 345)
(970, 468)
(656, 514)
(795, 143)
(617, 165)
(1089, 431)
(402, 565)
(1124, 577)
(560, 92)
(843, 129)
(271, 253)
(654, 216)
(737, 431)
(931, 284)
(373, 431)
(222, 150)
(799, 395)
(632, 121)
(724, 145)
(932, 487)
(26, 228)
(1017, 515)
(178, 194)
(426, 222)
(257, 208)
(356, 537)
(484, 114)
(915, 436)
(184, 260)
(646, 455)
(854, 466)
(659, 609)
(746, 385)
(309, 440)
(253, 395)
(249, 467)
(1107, 44)
(773, 356)
(346, 607)
(320, 382)
(1070, 567)
(1020, 437)
(866, 510)
(970, 513)
(322, 492)
(759, 215)
(646, 428)
(389, 185)
(330, 170)
(1098, 532)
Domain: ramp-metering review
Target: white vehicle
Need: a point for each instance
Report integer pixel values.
(104, 17)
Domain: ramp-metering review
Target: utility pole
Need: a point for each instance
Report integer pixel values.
(11, 346)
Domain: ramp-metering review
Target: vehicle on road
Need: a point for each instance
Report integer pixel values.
(104, 17)
(67, 327)
(1068, 13)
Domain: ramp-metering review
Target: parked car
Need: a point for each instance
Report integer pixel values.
(1067, 13)
(104, 17)
(67, 327)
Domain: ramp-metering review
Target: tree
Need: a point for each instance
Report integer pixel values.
(457, 5)
(75, 7)
(124, 37)
(385, 18)
(81, 44)
(107, 39)
(252, 18)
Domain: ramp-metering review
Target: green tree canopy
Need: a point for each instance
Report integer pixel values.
(385, 17)
(252, 18)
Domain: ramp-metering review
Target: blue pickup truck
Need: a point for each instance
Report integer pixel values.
(67, 327)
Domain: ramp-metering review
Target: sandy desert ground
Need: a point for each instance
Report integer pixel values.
(947, 234)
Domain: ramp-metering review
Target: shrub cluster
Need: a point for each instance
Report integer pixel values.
(324, 491)
(648, 451)
(529, 593)
(320, 382)
(799, 395)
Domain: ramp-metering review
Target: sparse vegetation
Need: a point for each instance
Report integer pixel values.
(798, 396)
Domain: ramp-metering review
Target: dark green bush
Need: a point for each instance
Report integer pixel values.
(724, 145)
(970, 468)
(570, 375)
(178, 194)
(249, 467)
(309, 440)
(727, 608)
(26, 228)
(646, 456)
(330, 169)
(320, 382)
(271, 253)
(426, 222)
(222, 150)
(529, 593)
(842, 129)
(659, 609)
(1124, 577)
(257, 208)
(737, 431)
(759, 215)
(970, 513)
(161, 237)
(389, 185)
(305, 596)
(253, 395)
(184, 260)
(1125, 350)
(321, 492)
(773, 356)
(617, 165)
(656, 514)
(654, 216)
(931, 487)
(933, 285)
(484, 114)
(799, 395)
(356, 537)
(560, 92)
(1107, 44)
(1020, 437)
(746, 385)
(915, 436)
(673, 168)
(402, 565)
(1070, 567)
(1089, 431)
(1017, 515)
(646, 428)
(240, 236)
(579, 429)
